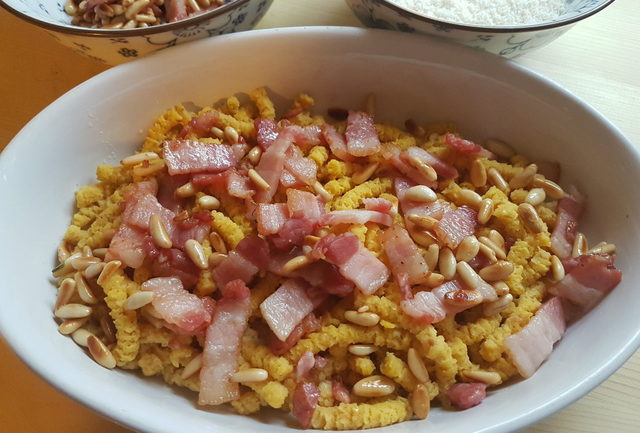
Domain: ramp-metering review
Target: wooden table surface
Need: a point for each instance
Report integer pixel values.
(598, 60)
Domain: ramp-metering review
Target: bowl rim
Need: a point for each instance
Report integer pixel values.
(407, 13)
(110, 33)
(77, 391)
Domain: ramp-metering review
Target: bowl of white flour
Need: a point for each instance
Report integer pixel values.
(509, 28)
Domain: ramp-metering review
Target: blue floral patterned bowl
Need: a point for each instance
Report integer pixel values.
(507, 41)
(115, 46)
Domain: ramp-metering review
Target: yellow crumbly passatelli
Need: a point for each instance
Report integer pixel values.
(473, 340)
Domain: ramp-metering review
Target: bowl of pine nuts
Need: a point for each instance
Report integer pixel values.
(118, 31)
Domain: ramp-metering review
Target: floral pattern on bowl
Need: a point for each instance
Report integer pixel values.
(506, 41)
(113, 47)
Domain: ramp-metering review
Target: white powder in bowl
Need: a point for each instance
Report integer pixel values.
(487, 12)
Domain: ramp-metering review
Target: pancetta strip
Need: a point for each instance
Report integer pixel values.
(286, 307)
(222, 345)
(403, 255)
(192, 156)
(533, 344)
(177, 306)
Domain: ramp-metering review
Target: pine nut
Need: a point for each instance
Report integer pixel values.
(498, 251)
(420, 193)
(159, 232)
(216, 258)
(194, 5)
(363, 309)
(254, 155)
(84, 291)
(196, 253)
(362, 349)
(63, 252)
(447, 263)
(424, 168)
(488, 252)
(497, 306)
(496, 179)
(536, 196)
(93, 270)
(423, 238)
(524, 178)
(147, 168)
(434, 280)
(322, 232)
(500, 149)
(603, 248)
(100, 252)
(311, 240)
(497, 272)
(463, 298)
(468, 249)
(468, 275)
(80, 336)
(501, 288)
(295, 263)
(138, 158)
(113, 25)
(70, 8)
(496, 238)
(530, 218)
(478, 173)
(100, 353)
(108, 270)
(106, 324)
(250, 375)
(136, 7)
(65, 292)
(217, 243)
(86, 251)
(138, 300)
(470, 198)
(258, 180)
(580, 245)
(416, 366)
(144, 18)
(219, 133)
(557, 268)
(231, 134)
(362, 319)
(488, 377)
(65, 268)
(485, 212)
(71, 325)
(73, 311)
(322, 192)
(186, 190)
(192, 367)
(552, 189)
(420, 401)
(374, 386)
(431, 256)
(82, 263)
(423, 221)
(364, 174)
